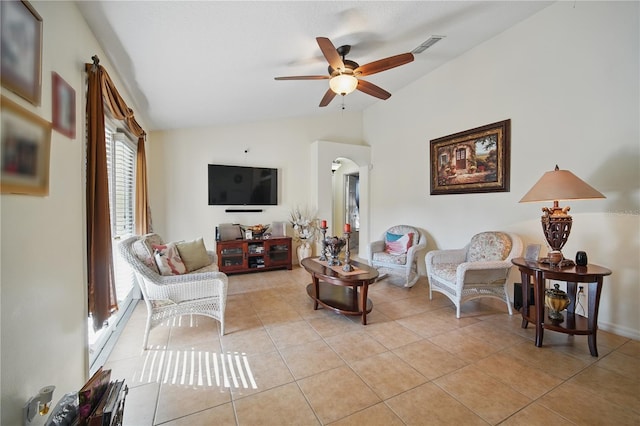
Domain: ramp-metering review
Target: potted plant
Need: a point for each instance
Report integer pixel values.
(305, 230)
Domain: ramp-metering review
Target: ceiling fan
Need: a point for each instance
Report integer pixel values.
(344, 74)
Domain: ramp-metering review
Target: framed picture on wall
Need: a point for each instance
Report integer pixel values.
(21, 53)
(475, 160)
(25, 141)
(64, 106)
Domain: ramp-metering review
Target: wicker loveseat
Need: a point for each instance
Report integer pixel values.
(202, 291)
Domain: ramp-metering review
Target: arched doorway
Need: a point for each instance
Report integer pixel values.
(346, 198)
(323, 154)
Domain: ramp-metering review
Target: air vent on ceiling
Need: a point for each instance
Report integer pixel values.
(427, 44)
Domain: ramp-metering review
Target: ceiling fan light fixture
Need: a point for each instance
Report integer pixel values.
(343, 84)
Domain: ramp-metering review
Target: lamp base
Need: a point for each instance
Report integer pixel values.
(564, 263)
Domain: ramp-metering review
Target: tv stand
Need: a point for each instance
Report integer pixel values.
(254, 255)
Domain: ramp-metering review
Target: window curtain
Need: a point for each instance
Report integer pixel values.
(143, 213)
(101, 91)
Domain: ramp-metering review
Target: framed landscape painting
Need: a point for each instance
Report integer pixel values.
(25, 143)
(21, 53)
(475, 160)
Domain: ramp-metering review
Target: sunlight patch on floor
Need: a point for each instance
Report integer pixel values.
(191, 367)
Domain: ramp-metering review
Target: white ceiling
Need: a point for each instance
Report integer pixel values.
(204, 63)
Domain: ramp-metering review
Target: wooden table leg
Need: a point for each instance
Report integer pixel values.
(594, 302)
(316, 291)
(363, 294)
(538, 289)
(526, 280)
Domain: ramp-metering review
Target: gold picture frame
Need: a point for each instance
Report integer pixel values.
(475, 160)
(25, 148)
(21, 53)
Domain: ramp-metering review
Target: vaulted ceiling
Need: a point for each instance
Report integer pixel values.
(205, 63)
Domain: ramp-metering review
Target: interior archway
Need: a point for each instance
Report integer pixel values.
(323, 153)
(346, 198)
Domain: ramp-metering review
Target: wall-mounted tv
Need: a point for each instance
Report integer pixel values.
(242, 186)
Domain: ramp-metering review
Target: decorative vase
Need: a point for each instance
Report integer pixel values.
(333, 245)
(581, 258)
(555, 257)
(557, 301)
(303, 251)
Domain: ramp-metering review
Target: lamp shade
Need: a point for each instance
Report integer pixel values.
(560, 185)
(343, 84)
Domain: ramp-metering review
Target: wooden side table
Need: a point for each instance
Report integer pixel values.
(592, 275)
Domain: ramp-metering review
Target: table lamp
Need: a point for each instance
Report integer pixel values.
(556, 223)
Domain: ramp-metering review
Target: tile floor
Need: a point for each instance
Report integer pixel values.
(280, 362)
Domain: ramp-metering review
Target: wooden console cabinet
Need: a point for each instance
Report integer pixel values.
(236, 256)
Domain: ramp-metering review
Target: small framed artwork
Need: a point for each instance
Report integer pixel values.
(21, 56)
(532, 252)
(475, 160)
(248, 235)
(25, 143)
(64, 106)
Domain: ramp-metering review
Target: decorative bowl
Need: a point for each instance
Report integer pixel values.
(257, 231)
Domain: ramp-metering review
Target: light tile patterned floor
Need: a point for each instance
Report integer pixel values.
(280, 362)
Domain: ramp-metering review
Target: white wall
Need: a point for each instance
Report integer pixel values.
(567, 77)
(568, 80)
(43, 274)
(178, 169)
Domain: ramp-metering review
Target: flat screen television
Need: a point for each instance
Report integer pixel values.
(242, 186)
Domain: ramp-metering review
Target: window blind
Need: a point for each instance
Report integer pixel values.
(121, 165)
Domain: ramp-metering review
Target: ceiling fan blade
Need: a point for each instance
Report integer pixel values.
(330, 53)
(304, 77)
(372, 89)
(327, 98)
(384, 64)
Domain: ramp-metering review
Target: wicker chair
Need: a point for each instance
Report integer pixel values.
(201, 292)
(403, 265)
(480, 269)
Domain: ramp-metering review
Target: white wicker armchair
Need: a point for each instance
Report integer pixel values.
(480, 269)
(201, 292)
(402, 265)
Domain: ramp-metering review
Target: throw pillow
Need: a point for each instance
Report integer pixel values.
(168, 259)
(144, 251)
(193, 254)
(398, 244)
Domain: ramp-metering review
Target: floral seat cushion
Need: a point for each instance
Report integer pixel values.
(446, 271)
(489, 246)
(390, 259)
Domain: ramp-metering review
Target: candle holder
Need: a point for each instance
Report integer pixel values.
(347, 259)
(323, 251)
(334, 246)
